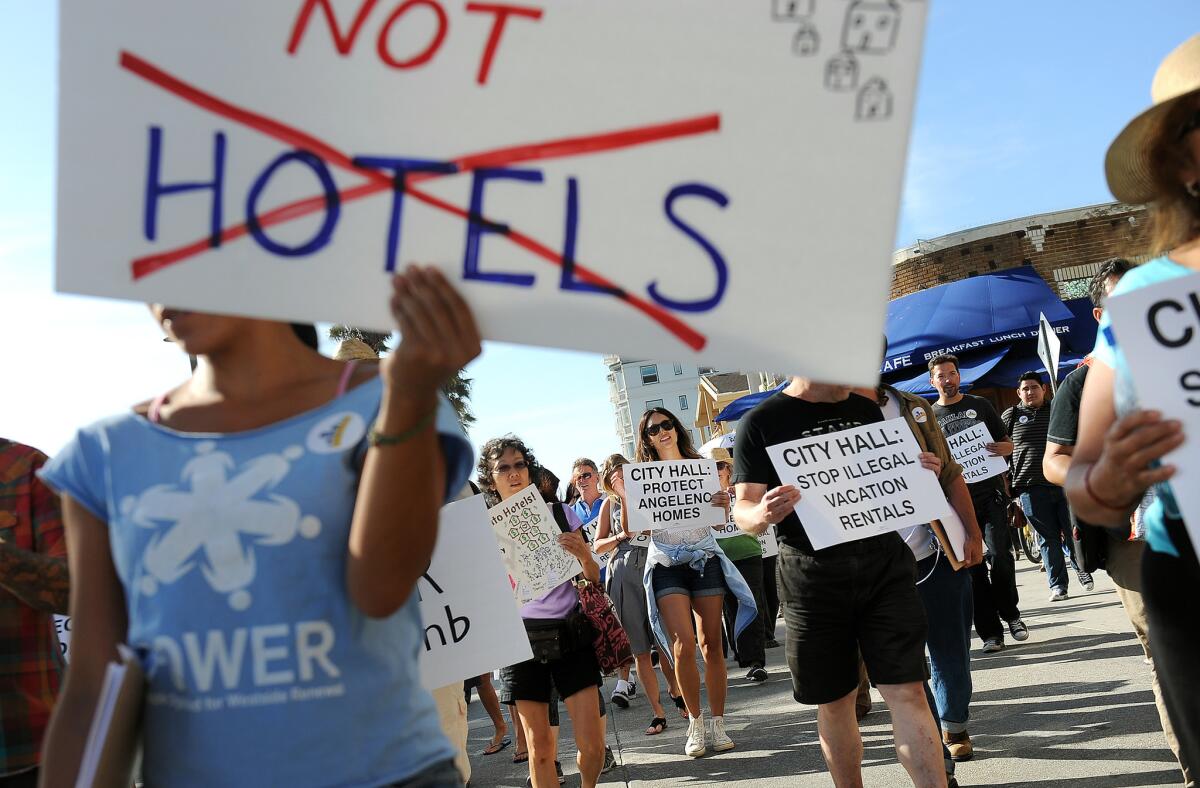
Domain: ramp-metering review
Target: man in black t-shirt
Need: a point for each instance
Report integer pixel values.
(995, 593)
(841, 600)
(1044, 504)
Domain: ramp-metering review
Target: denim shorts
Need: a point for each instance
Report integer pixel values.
(684, 580)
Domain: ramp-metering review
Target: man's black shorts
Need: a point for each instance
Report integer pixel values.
(862, 598)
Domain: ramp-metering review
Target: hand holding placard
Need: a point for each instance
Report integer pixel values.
(859, 482)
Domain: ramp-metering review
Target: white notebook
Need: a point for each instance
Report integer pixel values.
(114, 735)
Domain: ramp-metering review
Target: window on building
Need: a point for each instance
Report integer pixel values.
(649, 374)
(679, 369)
(683, 401)
(707, 370)
(653, 403)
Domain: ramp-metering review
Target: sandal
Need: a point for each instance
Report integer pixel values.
(520, 757)
(679, 704)
(497, 746)
(657, 726)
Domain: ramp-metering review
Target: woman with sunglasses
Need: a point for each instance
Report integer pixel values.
(271, 516)
(686, 574)
(1119, 447)
(626, 588)
(506, 467)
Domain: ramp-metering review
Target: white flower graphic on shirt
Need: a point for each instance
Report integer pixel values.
(216, 519)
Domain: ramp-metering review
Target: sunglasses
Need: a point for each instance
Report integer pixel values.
(583, 477)
(722, 466)
(506, 469)
(654, 429)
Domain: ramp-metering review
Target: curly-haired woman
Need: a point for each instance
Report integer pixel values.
(506, 467)
(686, 573)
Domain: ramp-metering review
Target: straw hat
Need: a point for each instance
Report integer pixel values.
(1127, 164)
(355, 350)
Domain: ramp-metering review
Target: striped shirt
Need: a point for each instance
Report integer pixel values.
(30, 662)
(1028, 428)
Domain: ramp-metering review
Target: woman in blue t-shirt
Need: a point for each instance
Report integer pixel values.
(256, 533)
(1155, 160)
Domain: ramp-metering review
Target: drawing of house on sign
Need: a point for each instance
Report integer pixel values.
(791, 10)
(874, 101)
(871, 26)
(841, 72)
(807, 40)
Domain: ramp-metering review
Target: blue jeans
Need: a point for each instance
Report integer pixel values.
(947, 597)
(1046, 509)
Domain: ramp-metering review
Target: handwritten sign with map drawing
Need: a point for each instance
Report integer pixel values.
(969, 449)
(326, 146)
(529, 539)
(859, 482)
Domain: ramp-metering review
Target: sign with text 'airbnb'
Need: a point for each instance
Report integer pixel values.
(643, 177)
(472, 624)
(859, 482)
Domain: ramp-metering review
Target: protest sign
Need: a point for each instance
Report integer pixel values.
(1049, 349)
(859, 482)
(279, 159)
(769, 542)
(1158, 331)
(969, 449)
(535, 559)
(672, 494)
(62, 629)
(471, 622)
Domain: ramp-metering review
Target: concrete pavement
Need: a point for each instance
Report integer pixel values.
(1072, 705)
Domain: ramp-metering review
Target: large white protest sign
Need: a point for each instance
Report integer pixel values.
(634, 173)
(969, 449)
(672, 494)
(1158, 329)
(472, 624)
(859, 482)
(529, 536)
(1049, 349)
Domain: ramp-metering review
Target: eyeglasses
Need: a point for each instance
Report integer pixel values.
(505, 470)
(722, 466)
(654, 429)
(583, 477)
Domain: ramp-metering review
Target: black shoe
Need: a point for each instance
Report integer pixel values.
(610, 761)
(757, 674)
(771, 643)
(557, 770)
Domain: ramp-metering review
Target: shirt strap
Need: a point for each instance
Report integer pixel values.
(347, 374)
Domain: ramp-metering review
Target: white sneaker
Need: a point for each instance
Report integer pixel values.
(621, 694)
(696, 744)
(720, 739)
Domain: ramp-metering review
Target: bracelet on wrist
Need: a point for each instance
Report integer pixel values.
(1107, 504)
(377, 438)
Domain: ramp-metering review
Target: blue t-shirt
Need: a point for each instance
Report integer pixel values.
(587, 514)
(1109, 352)
(231, 549)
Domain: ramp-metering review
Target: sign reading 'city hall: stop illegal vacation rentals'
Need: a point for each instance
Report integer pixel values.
(859, 482)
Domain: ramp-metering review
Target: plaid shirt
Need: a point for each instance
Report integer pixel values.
(30, 661)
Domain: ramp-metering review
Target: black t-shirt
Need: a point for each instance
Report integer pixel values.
(1064, 410)
(779, 419)
(1028, 429)
(965, 414)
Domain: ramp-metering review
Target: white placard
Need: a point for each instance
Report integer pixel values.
(672, 494)
(969, 449)
(956, 533)
(472, 625)
(62, 629)
(1049, 349)
(528, 535)
(1158, 328)
(769, 542)
(766, 540)
(859, 482)
(629, 172)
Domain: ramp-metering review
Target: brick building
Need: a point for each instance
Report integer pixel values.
(1064, 247)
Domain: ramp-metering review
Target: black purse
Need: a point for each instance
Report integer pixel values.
(546, 638)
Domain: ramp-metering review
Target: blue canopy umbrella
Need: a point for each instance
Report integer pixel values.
(971, 369)
(972, 314)
(743, 405)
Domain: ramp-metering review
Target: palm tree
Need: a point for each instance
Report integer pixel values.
(457, 389)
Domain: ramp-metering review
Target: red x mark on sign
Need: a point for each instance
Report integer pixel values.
(379, 182)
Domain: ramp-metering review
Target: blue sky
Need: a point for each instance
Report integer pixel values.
(1016, 105)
